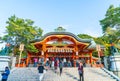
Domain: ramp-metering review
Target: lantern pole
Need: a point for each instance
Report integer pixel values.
(21, 48)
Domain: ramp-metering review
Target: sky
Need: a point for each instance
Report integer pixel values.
(76, 16)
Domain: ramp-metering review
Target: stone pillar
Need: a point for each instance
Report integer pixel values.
(13, 62)
(115, 64)
(105, 62)
(4, 61)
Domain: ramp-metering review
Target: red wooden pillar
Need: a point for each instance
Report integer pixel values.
(91, 58)
(28, 59)
(73, 56)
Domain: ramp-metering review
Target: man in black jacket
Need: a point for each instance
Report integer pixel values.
(41, 71)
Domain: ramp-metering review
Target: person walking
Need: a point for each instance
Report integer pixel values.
(5, 74)
(60, 67)
(56, 66)
(35, 62)
(81, 71)
(52, 65)
(41, 71)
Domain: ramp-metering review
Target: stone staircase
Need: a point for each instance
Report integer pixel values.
(97, 74)
(69, 74)
(24, 74)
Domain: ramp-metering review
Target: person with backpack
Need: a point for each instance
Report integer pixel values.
(41, 71)
(5, 74)
(60, 67)
(81, 71)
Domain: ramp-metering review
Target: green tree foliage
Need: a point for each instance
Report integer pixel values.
(103, 41)
(112, 18)
(111, 26)
(21, 31)
(84, 36)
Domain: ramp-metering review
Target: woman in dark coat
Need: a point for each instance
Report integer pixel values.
(81, 71)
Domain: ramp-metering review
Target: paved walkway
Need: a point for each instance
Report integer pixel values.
(69, 74)
(24, 74)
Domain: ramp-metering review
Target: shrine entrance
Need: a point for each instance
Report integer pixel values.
(62, 44)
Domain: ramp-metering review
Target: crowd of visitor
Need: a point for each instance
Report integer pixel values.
(58, 63)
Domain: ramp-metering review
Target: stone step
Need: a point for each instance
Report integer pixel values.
(69, 74)
(24, 74)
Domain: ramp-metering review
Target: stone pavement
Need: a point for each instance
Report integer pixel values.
(24, 74)
(69, 74)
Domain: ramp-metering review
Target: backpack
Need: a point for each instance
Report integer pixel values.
(80, 70)
(60, 65)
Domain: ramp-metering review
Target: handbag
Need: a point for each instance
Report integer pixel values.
(80, 72)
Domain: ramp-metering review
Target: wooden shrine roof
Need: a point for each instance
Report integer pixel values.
(92, 44)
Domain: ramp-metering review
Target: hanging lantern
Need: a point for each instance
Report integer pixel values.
(62, 50)
(58, 50)
(68, 50)
(55, 50)
(51, 50)
(42, 52)
(76, 52)
(65, 50)
(71, 51)
(48, 50)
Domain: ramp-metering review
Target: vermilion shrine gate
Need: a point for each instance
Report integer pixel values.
(63, 44)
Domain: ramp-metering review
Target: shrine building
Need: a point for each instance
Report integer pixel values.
(62, 44)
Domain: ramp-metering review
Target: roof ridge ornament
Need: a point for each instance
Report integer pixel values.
(60, 29)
